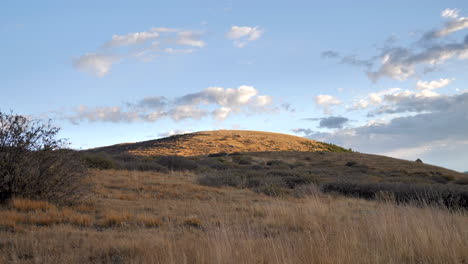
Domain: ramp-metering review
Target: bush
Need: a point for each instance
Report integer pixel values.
(175, 163)
(35, 164)
(438, 194)
(97, 161)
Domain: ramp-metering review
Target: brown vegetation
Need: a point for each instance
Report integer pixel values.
(171, 219)
(228, 141)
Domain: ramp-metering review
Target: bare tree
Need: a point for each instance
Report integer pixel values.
(35, 164)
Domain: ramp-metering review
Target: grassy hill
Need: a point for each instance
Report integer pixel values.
(206, 142)
(226, 206)
(278, 165)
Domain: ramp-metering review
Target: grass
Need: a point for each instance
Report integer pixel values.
(172, 219)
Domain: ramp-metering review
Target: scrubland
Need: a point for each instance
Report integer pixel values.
(154, 217)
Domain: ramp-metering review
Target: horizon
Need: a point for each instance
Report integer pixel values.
(379, 78)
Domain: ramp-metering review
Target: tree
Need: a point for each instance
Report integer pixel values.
(34, 162)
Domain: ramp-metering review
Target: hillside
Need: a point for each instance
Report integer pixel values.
(229, 141)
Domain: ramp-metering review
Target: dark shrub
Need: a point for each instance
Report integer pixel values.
(35, 164)
(438, 194)
(221, 154)
(351, 163)
(278, 164)
(175, 163)
(98, 161)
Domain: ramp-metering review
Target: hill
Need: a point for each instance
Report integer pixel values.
(228, 141)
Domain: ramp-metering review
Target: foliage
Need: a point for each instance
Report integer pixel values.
(35, 164)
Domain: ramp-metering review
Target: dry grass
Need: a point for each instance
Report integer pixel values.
(173, 220)
(206, 142)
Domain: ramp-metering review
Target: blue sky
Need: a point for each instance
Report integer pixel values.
(380, 77)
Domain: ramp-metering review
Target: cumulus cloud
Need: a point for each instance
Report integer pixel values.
(243, 35)
(432, 85)
(439, 122)
(373, 99)
(217, 102)
(427, 54)
(326, 102)
(143, 46)
(96, 64)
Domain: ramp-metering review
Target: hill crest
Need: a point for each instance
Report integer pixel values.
(217, 141)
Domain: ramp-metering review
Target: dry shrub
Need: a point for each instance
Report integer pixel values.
(193, 222)
(115, 219)
(35, 164)
(30, 205)
(148, 220)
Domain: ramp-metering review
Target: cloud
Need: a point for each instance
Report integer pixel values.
(326, 102)
(96, 64)
(330, 122)
(333, 122)
(144, 46)
(401, 63)
(243, 35)
(131, 39)
(456, 23)
(189, 38)
(451, 13)
(217, 102)
(432, 85)
(182, 112)
(438, 124)
(151, 102)
(373, 99)
(330, 54)
(427, 54)
(174, 132)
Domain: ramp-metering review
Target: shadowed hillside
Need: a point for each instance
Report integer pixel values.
(203, 143)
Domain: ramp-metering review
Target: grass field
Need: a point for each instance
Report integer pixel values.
(150, 217)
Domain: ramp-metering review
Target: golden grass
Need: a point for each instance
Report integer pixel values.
(30, 205)
(206, 142)
(226, 226)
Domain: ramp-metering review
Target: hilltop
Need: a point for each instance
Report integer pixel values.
(219, 141)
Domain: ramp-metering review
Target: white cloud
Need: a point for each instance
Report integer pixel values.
(263, 100)
(145, 46)
(189, 38)
(182, 112)
(174, 132)
(218, 101)
(427, 54)
(131, 39)
(450, 13)
(96, 64)
(456, 23)
(243, 35)
(436, 130)
(423, 85)
(222, 113)
(326, 102)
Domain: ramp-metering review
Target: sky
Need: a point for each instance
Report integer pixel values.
(381, 77)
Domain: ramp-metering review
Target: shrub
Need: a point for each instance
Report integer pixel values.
(97, 161)
(175, 163)
(439, 194)
(35, 164)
